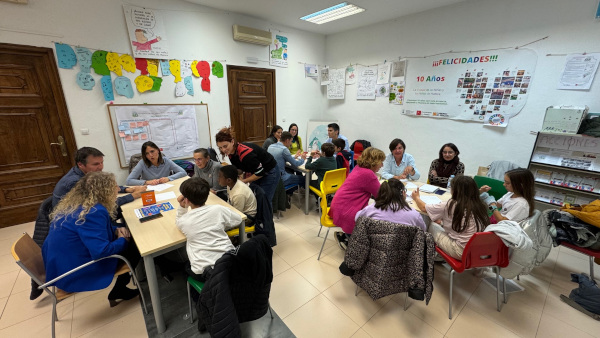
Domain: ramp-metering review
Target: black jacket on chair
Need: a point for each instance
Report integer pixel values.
(263, 220)
(42, 223)
(238, 289)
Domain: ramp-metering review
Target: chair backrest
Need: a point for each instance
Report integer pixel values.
(42, 223)
(28, 256)
(264, 214)
(133, 161)
(212, 154)
(357, 147)
(498, 189)
(485, 249)
(352, 161)
(332, 180)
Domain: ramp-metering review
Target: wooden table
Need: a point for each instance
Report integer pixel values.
(161, 235)
(307, 175)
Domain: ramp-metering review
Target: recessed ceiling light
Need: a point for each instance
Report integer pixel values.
(333, 13)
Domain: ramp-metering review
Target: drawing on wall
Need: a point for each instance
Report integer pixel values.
(324, 74)
(278, 55)
(146, 32)
(350, 75)
(366, 82)
(383, 73)
(396, 90)
(337, 85)
(467, 86)
(310, 71)
(316, 134)
(496, 120)
(382, 90)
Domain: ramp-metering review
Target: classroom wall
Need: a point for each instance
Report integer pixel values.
(472, 25)
(194, 32)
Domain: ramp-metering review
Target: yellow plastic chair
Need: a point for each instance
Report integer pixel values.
(326, 221)
(332, 181)
(236, 231)
(28, 256)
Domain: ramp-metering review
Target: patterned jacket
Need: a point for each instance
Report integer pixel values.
(390, 258)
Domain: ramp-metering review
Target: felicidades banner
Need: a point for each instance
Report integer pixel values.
(466, 86)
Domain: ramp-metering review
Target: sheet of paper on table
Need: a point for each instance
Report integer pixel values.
(431, 199)
(165, 196)
(159, 187)
(428, 188)
(409, 185)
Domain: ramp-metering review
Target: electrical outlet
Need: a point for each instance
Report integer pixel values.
(85, 131)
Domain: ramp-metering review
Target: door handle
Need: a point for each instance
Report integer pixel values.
(269, 126)
(62, 144)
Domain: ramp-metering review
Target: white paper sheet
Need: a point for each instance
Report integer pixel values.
(428, 188)
(367, 78)
(431, 199)
(165, 196)
(159, 187)
(579, 71)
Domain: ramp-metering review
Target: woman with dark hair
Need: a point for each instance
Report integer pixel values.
(399, 164)
(155, 168)
(460, 217)
(257, 163)
(82, 230)
(273, 137)
(446, 165)
(296, 147)
(517, 204)
(390, 205)
(355, 192)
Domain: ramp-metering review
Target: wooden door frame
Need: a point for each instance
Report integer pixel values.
(230, 87)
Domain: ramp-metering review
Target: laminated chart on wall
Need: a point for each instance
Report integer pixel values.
(146, 32)
(467, 86)
(366, 83)
(173, 128)
(337, 84)
(278, 51)
(579, 71)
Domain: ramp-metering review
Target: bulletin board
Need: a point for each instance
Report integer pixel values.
(178, 129)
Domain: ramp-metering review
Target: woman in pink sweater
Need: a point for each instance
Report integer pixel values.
(355, 192)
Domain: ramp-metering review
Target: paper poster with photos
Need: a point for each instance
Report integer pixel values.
(467, 86)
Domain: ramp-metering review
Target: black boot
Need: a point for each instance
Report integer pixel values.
(35, 292)
(120, 291)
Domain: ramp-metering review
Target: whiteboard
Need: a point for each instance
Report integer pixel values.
(316, 134)
(177, 129)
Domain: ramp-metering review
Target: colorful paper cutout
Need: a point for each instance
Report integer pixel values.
(189, 85)
(142, 65)
(155, 87)
(138, 130)
(127, 132)
(165, 67)
(127, 62)
(180, 89)
(140, 124)
(175, 68)
(112, 62)
(132, 124)
(217, 69)
(107, 88)
(123, 87)
(99, 63)
(84, 57)
(136, 137)
(153, 67)
(194, 69)
(205, 84)
(144, 136)
(186, 68)
(85, 80)
(121, 134)
(128, 138)
(203, 69)
(143, 83)
(122, 127)
(65, 55)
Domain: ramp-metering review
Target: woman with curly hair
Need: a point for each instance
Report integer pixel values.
(355, 192)
(82, 230)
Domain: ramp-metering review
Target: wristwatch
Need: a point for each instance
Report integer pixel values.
(492, 207)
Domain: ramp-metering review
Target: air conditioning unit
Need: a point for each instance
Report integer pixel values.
(252, 35)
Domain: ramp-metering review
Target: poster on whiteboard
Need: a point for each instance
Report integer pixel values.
(467, 86)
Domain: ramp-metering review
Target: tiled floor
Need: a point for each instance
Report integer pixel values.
(315, 300)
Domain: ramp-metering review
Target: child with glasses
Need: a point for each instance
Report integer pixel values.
(446, 165)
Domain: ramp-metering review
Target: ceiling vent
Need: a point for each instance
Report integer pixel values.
(252, 35)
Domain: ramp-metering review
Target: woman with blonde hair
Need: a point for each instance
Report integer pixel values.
(355, 192)
(82, 230)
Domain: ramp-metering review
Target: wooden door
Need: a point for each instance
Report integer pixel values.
(33, 116)
(251, 102)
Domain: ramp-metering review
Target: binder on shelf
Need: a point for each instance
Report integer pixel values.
(557, 178)
(543, 175)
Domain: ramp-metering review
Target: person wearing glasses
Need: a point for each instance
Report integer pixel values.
(208, 169)
(446, 165)
(390, 205)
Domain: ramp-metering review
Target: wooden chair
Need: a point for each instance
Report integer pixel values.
(484, 249)
(28, 256)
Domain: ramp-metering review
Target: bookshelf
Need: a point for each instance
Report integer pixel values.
(566, 169)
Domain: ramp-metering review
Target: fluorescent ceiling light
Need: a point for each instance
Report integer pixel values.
(333, 13)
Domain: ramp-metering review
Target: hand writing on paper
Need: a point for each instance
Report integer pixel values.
(163, 180)
(484, 188)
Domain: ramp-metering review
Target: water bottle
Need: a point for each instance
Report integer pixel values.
(450, 181)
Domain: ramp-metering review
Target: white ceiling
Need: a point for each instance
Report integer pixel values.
(289, 12)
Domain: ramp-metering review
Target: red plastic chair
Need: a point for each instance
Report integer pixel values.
(358, 149)
(484, 249)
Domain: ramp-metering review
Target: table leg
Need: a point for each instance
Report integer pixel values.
(306, 191)
(242, 232)
(154, 293)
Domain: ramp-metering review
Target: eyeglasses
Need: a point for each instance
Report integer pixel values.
(198, 159)
(448, 152)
